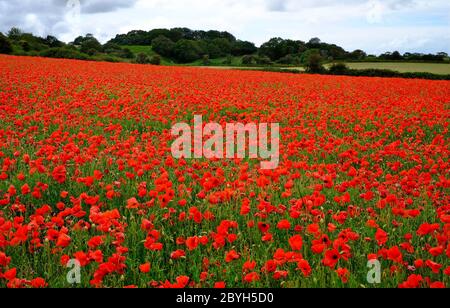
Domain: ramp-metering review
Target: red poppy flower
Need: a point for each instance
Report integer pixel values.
(59, 174)
(263, 227)
(10, 274)
(284, 225)
(38, 283)
(63, 240)
(192, 243)
(251, 277)
(296, 242)
(332, 258)
(94, 242)
(304, 266)
(145, 268)
(178, 254)
(231, 256)
(382, 237)
(343, 274)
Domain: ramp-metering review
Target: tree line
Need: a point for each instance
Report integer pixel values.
(183, 45)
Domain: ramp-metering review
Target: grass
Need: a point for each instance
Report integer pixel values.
(434, 68)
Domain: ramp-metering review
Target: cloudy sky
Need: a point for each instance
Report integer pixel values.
(373, 25)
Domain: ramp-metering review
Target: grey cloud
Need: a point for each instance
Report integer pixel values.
(105, 6)
(277, 5)
(49, 16)
(293, 5)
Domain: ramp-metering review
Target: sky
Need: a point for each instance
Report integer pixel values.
(375, 26)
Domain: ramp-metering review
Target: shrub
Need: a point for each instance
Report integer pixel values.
(205, 60)
(248, 60)
(290, 60)
(155, 60)
(263, 60)
(314, 64)
(163, 45)
(338, 68)
(142, 58)
(63, 53)
(186, 51)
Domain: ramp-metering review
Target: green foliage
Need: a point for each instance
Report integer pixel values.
(241, 48)
(115, 50)
(68, 53)
(15, 33)
(163, 46)
(186, 51)
(155, 60)
(290, 60)
(228, 60)
(89, 44)
(63, 53)
(278, 48)
(5, 45)
(338, 68)
(142, 58)
(53, 42)
(205, 60)
(357, 55)
(314, 63)
(250, 60)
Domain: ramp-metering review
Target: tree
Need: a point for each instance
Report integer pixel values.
(90, 45)
(52, 42)
(357, 55)
(223, 45)
(186, 51)
(396, 56)
(314, 63)
(155, 60)
(241, 48)
(277, 48)
(15, 33)
(142, 58)
(315, 42)
(163, 46)
(5, 45)
(338, 68)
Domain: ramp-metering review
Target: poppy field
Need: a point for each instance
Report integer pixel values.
(87, 178)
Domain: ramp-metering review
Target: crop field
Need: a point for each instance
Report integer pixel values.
(405, 67)
(91, 195)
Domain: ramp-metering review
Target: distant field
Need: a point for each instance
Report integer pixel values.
(435, 68)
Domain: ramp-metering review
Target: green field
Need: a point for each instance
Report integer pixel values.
(435, 68)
